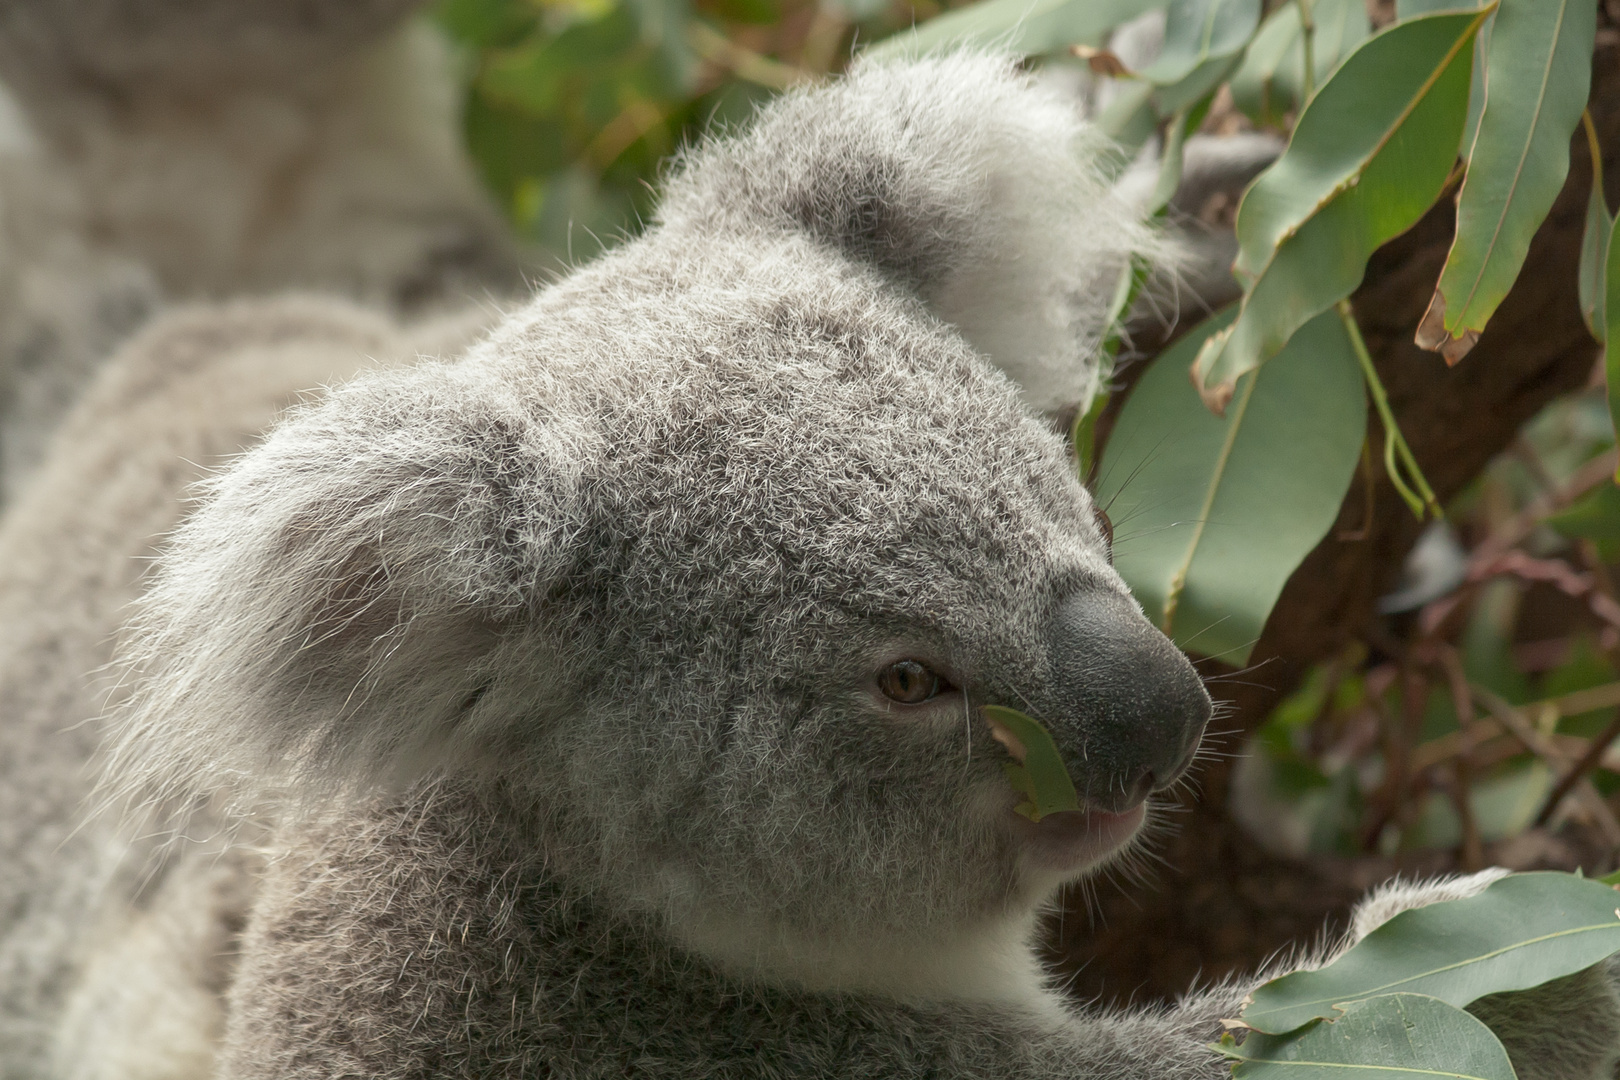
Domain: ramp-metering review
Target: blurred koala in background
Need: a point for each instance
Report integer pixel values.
(154, 151)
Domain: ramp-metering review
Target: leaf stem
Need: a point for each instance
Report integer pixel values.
(1307, 37)
(1394, 442)
(1596, 149)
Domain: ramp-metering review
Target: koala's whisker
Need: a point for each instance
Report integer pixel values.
(1136, 471)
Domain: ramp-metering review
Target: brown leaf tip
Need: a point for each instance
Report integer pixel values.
(1433, 336)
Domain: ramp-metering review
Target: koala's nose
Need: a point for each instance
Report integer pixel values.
(1130, 706)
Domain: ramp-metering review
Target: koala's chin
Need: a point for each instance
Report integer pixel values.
(1071, 843)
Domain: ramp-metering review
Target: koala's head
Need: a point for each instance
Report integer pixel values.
(705, 561)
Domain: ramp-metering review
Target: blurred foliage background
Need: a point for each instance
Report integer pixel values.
(573, 105)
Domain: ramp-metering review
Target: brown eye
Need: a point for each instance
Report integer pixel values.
(909, 682)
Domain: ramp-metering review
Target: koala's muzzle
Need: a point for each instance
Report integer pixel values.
(1125, 705)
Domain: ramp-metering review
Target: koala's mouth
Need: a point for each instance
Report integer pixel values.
(1073, 841)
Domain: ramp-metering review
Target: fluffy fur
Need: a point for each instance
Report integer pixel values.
(965, 193)
(108, 958)
(522, 707)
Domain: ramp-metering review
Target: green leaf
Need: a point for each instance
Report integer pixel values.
(1595, 517)
(1213, 514)
(1595, 250)
(1255, 83)
(1028, 27)
(1393, 1037)
(1408, 9)
(1520, 932)
(1538, 69)
(1198, 84)
(1039, 773)
(1611, 315)
(1370, 154)
(1199, 31)
(1272, 76)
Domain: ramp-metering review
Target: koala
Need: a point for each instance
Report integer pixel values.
(154, 151)
(601, 698)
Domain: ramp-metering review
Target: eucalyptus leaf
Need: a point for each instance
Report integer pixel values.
(1611, 315)
(1197, 32)
(1213, 514)
(1408, 9)
(1538, 69)
(1027, 27)
(1255, 87)
(1595, 255)
(1393, 1037)
(1040, 776)
(1370, 154)
(1271, 80)
(1198, 84)
(1520, 932)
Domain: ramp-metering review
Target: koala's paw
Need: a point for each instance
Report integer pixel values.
(1567, 1029)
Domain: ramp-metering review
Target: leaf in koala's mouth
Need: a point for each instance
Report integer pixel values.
(1037, 772)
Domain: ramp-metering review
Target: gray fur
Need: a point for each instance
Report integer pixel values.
(521, 708)
(157, 151)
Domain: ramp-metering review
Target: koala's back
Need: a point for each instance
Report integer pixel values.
(85, 909)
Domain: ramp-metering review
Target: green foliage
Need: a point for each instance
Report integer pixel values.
(1595, 243)
(1539, 60)
(574, 105)
(1391, 1037)
(1272, 82)
(1031, 27)
(1037, 771)
(1212, 514)
(1609, 288)
(1200, 33)
(1393, 1003)
(1370, 154)
(1520, 932)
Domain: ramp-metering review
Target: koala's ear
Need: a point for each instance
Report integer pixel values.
(961, 178)
(335, 611)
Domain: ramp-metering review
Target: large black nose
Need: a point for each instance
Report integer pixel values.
(1126, 695)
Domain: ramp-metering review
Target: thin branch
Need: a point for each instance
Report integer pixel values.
(1578, 771)
(1539, 743)
(1583, 480)
(1472, 854)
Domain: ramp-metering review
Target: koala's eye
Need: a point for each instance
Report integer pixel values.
(909, 682)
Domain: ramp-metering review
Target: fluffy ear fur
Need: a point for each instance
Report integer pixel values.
(962, 179)
(337, 615)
